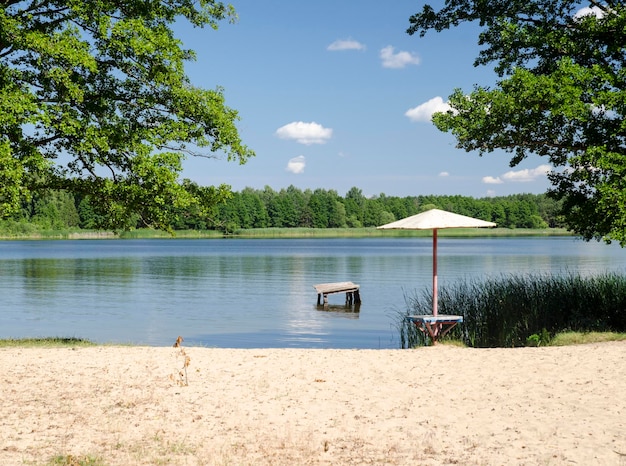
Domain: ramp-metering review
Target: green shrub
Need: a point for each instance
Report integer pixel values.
(533, 340)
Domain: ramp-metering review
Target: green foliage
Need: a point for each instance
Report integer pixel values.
(294, 208)
(94, 100)
(54, 210)
(219, 209)
(561, 95)
(542, 339)
(11, 176)
(508, 311)
(533, 340)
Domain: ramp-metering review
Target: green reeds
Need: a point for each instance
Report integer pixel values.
(506, 311)
(367, 232)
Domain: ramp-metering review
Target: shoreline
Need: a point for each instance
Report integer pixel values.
(289, 233)
(436, 405)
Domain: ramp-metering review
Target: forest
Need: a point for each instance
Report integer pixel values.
(295, 208)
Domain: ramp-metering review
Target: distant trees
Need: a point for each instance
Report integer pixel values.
(52, 210)
(295, 208)
(320, 208)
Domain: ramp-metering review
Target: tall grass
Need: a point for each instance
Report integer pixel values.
(505, 311)
(22, 230)
(10, 229)
(148, 233)
(366, 232)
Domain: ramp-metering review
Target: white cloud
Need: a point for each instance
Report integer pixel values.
(397, 60)
(424, 112)
(586, 11)
(492, 180)
(444, 174)
(527, 175)
(345, 44)
(520, 176)
(296, 165)
(305, 133)
(491, 193)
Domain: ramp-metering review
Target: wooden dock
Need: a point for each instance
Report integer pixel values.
(350, 289)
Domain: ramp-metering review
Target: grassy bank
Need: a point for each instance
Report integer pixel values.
(51, 342)
(182, 234)
(375, 233)
(34, 234)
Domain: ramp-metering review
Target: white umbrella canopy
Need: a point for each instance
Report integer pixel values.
(436, 219)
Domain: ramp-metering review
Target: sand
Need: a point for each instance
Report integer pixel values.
(428, 406)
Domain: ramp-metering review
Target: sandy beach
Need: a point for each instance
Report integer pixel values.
(430, 406)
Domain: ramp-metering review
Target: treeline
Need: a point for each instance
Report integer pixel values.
(292, 207)
(296, 208)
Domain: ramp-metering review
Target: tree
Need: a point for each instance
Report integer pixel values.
(87, 215)
(94, 99)
(355, 207)
(53, 210)
(229, 215)
(255, 208)
(561, 94)
(204, 213)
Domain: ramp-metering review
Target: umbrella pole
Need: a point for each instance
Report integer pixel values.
(435, 272)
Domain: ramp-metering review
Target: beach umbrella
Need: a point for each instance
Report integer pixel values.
(434, 220)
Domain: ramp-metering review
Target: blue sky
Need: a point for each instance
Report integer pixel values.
(334, 94)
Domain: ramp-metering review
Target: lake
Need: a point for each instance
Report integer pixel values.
(245, 293)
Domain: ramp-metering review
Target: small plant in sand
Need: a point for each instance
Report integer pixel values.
(71, 460)
(181, 378)
(533, 340)
(542, 339)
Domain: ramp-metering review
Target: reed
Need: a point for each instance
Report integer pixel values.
(148, 233)
(369, 232)
(515, 310)
(308, 233)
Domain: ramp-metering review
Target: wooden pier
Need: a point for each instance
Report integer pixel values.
(350, 289)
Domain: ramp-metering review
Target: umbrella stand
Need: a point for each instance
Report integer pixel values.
(435, 325)
(435, 313)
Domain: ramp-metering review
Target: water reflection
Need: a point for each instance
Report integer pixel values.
(351, 311)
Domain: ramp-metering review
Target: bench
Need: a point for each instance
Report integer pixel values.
(350, 289)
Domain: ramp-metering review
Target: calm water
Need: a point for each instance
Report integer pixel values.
(252, 293)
